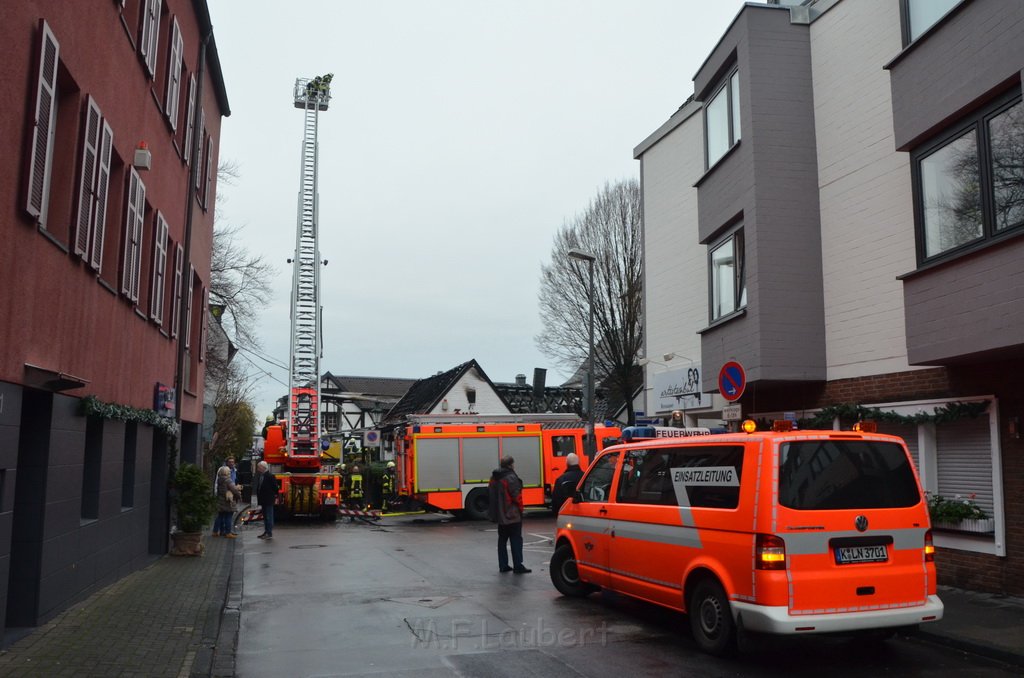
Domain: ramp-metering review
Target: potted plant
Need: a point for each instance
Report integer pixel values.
(958, 513)
(195, 505)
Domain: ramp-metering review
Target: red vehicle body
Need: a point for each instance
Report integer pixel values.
(445, 463)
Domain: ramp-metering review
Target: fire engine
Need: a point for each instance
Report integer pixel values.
(308, 483)
(444, 463)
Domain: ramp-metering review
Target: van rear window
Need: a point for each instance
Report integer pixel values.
(845, 474)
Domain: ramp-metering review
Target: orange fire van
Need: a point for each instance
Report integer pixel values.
(788, 532)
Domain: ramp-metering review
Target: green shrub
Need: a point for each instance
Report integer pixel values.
(193, 498)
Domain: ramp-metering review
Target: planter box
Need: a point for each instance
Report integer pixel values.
(972, 525)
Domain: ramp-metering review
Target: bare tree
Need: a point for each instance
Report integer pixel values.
(609, 229)
(239, 287)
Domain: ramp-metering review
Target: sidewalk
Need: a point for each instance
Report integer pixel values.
(177, 617)
(980, 623)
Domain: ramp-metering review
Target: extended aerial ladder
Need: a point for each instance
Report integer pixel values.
(294, 455)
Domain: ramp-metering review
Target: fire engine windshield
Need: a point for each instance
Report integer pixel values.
(845, 474)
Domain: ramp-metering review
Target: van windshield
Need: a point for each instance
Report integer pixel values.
(845, 474)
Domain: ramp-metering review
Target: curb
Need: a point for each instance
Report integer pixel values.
(980, 649)
(223, 660)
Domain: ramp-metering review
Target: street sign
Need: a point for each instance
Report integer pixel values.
(732, 380)
(732, 413)
(371, 439)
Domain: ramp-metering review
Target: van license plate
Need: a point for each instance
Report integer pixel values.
(846, 555)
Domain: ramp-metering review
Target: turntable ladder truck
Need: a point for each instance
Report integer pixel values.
(308, 486)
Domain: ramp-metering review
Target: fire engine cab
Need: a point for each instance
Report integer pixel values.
(783, 531)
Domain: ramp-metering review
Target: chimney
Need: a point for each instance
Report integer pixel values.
(520, 380)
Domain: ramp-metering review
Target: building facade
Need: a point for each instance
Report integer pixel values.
(839, 207)
(111, 128)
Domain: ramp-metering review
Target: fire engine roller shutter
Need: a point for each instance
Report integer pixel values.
(965, 460)
(909, 434)
(479, 458)
(526, 451)
(437, 464)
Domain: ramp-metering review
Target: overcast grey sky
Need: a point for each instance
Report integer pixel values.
(461, 135)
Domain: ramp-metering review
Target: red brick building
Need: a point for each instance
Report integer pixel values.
(110, 131)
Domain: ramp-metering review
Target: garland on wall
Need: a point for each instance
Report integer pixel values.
(94, 407)
(851, 412)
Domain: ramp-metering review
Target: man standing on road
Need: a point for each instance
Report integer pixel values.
(266, 490)
(506, 509)
(566, 484)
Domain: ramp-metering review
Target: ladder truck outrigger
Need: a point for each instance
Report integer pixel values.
(309, 485)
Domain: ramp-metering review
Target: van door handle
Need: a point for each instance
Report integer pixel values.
(603, 511)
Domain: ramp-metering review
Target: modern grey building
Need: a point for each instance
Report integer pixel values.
(839, 207)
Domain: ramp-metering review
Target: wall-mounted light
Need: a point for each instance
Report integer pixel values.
(444, 405)
(143, 158)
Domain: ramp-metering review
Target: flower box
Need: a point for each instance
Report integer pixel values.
(968, 525)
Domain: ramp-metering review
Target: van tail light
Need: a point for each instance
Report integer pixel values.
(770, 552)
(929, 547)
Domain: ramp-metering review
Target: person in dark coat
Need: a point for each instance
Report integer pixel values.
(266, 490)
(505, 491)
(566, 484)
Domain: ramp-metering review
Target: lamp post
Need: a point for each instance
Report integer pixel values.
(590, 446)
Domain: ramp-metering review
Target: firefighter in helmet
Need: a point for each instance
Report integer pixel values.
(270, 422)
(387, 488)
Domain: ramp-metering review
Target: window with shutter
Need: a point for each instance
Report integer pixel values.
(188, 307)
(99, 221)
(964, 460)
(174, 76)
(87, 180)
(909, 434)
(150, 34)
(209, 172)
(136, 200)
(189, 118)
(43, 128)
(179, 262)
(156, 297)
(201, 130)
(204, 314)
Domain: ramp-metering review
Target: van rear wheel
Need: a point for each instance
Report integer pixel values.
(710, 618)
(565, 576)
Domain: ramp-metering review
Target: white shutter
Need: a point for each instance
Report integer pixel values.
(87, 183)
(179, 262)
(156, 296)
(199, 147)
(133, 236)
(190, 115)
(44, 125)
(964, 460)
(188, 307)
(174, 77)
(102, 188)
(150, 34)
(129, 233)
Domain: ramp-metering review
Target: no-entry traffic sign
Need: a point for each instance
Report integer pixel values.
(732, 380)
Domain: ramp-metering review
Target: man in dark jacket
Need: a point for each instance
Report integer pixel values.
(566, 484)
(266, 491)
(506, 509)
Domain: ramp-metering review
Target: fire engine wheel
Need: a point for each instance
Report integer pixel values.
(710, 618)
(477, 503)
(565, 576)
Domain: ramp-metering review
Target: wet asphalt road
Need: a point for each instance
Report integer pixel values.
(421, 596)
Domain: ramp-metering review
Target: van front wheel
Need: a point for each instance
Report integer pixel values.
(565, 576)
(710, 618)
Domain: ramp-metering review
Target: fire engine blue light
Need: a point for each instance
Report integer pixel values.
(631, 432)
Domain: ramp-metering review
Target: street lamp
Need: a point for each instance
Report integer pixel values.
(590, 446)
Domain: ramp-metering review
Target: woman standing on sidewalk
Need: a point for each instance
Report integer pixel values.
(227, 494)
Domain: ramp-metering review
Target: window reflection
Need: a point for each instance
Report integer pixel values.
(950, 187)
(1006, 132)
